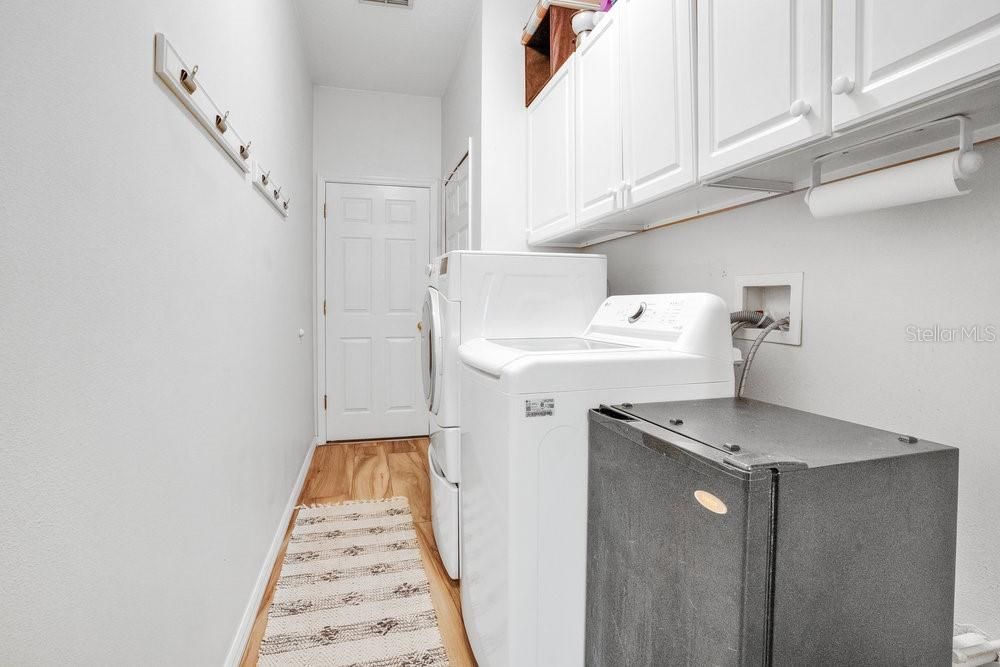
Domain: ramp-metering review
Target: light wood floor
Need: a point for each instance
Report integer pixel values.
(379, 469)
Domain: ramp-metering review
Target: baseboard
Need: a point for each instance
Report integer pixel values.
(235, 654)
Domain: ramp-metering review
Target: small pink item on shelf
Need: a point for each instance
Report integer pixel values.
(606, 5)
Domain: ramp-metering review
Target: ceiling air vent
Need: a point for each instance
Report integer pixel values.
(408, 4)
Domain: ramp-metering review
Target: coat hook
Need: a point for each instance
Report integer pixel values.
(245, 151)
(264, 178)
(277, 193)
(188, 79)
(222, 122)
(287, 202)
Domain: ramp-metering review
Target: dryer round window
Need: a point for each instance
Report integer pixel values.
(430, 348)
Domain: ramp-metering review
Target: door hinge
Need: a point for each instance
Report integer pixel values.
(324, 402)
(324, 210)
(324, 307)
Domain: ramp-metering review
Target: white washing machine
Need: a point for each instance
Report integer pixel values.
(524, 459)
(491, 294)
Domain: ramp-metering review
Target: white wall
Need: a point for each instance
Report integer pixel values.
(461, 117)
(868, 277)
(367, 134)
(156, 400)
(488, 104)
(504, 125)
(462, 103)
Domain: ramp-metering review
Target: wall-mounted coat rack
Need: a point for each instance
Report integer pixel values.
(265, 184)
(183, 79)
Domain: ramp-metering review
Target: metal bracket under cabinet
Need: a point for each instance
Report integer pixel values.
(756, 184)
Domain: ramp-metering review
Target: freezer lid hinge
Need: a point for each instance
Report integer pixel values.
(609, 411)
(749, 462)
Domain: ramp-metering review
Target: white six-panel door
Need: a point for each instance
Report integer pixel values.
(376, 251)
(458, 207)
(887, 52)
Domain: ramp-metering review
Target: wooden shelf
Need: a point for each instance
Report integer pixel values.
(549, 42)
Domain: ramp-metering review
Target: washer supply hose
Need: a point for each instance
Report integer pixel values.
(749, 318)
(739, 321)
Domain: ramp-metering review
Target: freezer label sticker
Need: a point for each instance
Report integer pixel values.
(541, 407)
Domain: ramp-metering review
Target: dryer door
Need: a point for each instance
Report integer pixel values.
(430, 349)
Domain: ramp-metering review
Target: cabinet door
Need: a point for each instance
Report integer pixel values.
(599, 178)
(763, 79)
(657, 79)
(889, 52)
(550, 157)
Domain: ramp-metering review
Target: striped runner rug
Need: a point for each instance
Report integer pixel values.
(353, 591)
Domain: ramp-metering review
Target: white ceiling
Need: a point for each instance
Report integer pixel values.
(399, 50)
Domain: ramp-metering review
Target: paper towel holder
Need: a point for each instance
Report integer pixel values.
(967, 163)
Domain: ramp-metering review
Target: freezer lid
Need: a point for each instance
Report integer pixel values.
(757, 434)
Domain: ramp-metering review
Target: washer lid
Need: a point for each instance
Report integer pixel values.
(556, 344)
(577, 364)
(497, 356)
(632, 341)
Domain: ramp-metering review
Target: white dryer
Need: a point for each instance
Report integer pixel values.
(493, 294)
(524, 459)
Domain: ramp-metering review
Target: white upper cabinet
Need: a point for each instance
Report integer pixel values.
(550, 158)
(763, 79)
(620, 140)
(889, 52)
(600, 180)
(657, 76)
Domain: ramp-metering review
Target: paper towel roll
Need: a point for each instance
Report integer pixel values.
(922, 180)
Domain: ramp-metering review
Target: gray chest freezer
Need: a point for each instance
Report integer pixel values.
(736, 532)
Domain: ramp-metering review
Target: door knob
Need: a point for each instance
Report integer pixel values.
(420, 326)
(842, 85)
(799, 108)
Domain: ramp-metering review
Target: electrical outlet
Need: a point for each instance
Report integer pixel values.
(779, 295)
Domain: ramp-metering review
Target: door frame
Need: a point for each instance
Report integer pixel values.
(433, 186)
(443, 226)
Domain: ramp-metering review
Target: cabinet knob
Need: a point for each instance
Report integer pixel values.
(799, 108)
(842, 85)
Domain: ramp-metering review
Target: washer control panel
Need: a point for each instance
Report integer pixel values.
(695, 323)
(650, 312)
